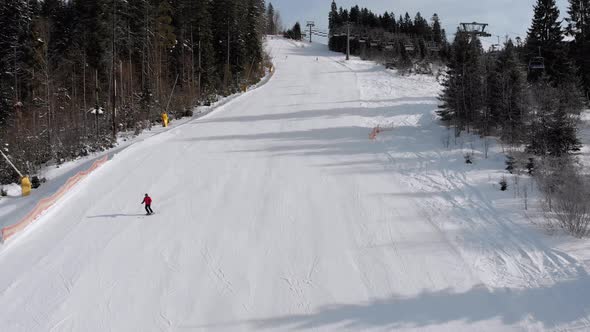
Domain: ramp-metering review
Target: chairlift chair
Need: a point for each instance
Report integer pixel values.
(537, 63)
(409, 47)
(433, 47)
(494, 50)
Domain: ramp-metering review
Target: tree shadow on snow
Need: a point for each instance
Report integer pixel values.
(344, 141)
(435, 308)
(413, 150)
(563, 303)
(402, 106)
(115, 216)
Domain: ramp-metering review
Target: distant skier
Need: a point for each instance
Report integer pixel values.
(147, 200)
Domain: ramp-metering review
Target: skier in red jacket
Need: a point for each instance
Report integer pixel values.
(147, 200)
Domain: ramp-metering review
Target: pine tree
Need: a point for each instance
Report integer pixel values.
(164, 27)
(494, 93)
(553, 129)
(506, 88)
(374, 21)
(393, 24)
(203, 45)
(463, 90)
(408, 26)
(56, 63)
(344, 17)
(56, 14)
(421, 27)
(252, 39)
(387, 22)
(333, 20)
(365, 19)
(333, 24)
(224, 26)
(295, 32)
(545, 38)
(15, 50)
(579, 28)
(437, 33)
(271, 28)
(239, 37)
(92, 30)
(452, 97)
(561, 134)
(355, 14)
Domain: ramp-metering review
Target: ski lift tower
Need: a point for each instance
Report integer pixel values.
(310, 25)
(348, 24)
(475, 29)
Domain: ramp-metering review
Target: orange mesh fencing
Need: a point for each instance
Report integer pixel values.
(374, 133)
(378, 130)
(48, 202)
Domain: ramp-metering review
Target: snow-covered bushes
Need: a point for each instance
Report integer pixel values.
(530, 166)
(519, 163)
(566, 192)
(510, 164)
(503, 184)
(35, 182)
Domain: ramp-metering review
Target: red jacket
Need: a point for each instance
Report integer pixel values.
(147, 200)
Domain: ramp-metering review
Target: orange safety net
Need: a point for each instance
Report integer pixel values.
(48, 202)
(374, 133)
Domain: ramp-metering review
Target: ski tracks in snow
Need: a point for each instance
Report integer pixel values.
(279, 214)
(489, 242)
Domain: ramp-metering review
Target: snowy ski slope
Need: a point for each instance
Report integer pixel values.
(276, 212)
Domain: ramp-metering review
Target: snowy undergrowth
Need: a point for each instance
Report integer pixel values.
(500, 231)
(12, 190)
(579, 248)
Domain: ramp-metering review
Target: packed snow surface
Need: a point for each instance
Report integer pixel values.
(276, 212)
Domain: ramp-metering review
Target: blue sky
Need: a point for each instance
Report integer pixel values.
(511, 17)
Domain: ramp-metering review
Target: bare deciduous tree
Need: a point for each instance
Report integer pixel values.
(566, 192)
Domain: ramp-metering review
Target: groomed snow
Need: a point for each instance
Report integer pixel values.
(276, 212)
